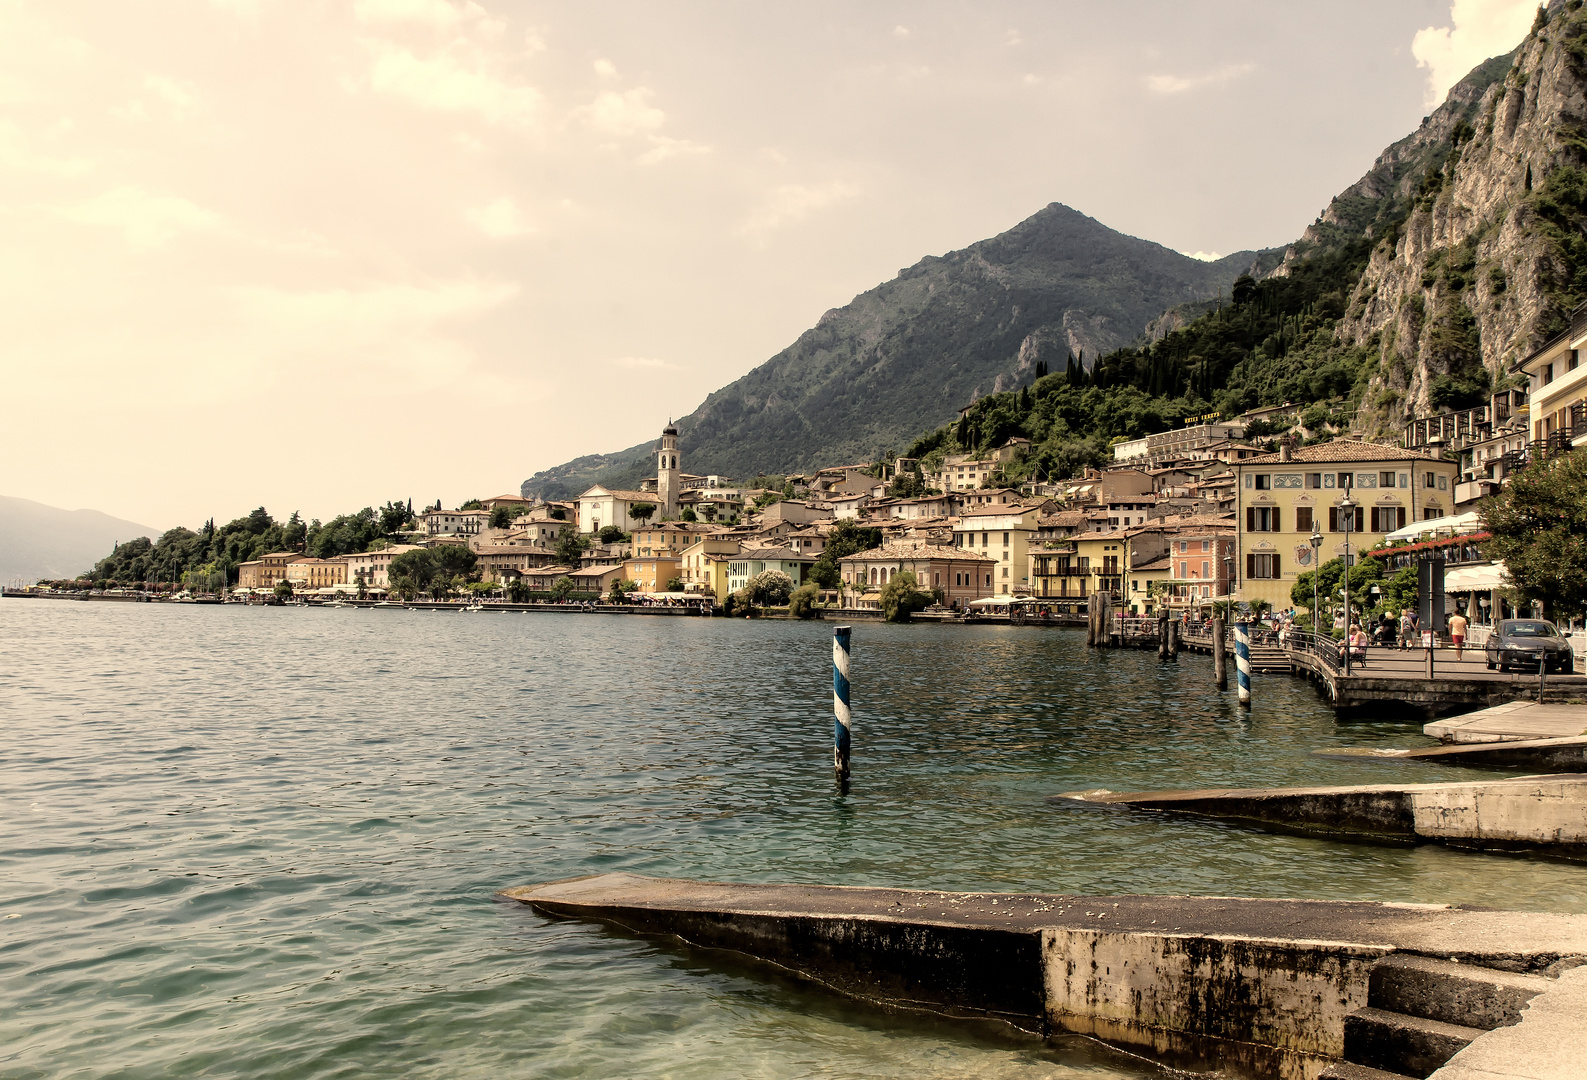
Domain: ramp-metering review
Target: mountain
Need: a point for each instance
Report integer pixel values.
(39, 541)
(906, 355)
(1492, 255)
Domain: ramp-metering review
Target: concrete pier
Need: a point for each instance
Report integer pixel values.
(1258, 988)
(1533, 755)
(1543, 813)
(1518, 721)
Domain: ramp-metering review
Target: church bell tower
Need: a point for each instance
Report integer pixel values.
(667, 471)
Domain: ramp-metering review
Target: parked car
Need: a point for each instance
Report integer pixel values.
(1528, 643)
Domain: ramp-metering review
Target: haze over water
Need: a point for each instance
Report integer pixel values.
(265, 842)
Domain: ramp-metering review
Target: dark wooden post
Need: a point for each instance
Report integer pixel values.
(1220, 663)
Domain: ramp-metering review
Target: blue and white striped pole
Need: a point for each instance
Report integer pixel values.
(1242, 661)
(840, 702)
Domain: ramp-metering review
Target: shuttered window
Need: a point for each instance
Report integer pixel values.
(1261, 567)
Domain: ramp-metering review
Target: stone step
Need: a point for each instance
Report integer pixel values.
(1463, 994)
(1395, 1042)
(1345, 1070)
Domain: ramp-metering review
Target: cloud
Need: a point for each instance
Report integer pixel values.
(436, 13)
(901, 31)
(449, 83)
(1204, 256)
(789, 203)
(605, 69)
(16, 154)
(662, 148)
(179, 95)
(1179, 84)
(145, 220)
(1479, 29)
(499, 219)
(628, 113)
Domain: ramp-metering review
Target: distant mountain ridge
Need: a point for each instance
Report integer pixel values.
(903, 357)
(40, 541)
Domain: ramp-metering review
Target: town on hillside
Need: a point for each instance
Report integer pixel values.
(1178, 522)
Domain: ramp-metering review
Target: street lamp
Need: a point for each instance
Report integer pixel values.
(1316, 575)
(1347, 525)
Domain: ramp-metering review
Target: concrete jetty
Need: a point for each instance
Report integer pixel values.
(1514, 721)
(1567, 755)
(1543, 813)
(1258, 988)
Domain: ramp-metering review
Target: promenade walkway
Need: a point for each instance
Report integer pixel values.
(1514, 721)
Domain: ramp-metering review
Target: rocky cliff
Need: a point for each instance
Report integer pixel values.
(1483, 267)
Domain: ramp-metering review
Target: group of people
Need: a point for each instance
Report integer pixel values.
(1405, 632)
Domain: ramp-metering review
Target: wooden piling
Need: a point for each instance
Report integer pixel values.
(1220, 663)
(1173, 639)
(1091, 620)
(1162, 635)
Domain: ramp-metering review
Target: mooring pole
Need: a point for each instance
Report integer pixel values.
(840, 702)
(1220, 663)
(1242, 661)
(1091, 620)
(1162, 635)
(1173, 639)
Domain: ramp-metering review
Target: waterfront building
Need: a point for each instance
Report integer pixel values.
(653, 572)
(960, 573)
(1003, 533)
(542, 578)
(1557, 389)
(1281, 497)
(1145, 583)
(317, 573)
(374, 565)
(596, 579)
(503, 562)
(265, 571)
(1176, 443)
(749, 561)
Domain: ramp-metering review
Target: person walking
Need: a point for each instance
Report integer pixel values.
(1457, 634)
(1407, 629)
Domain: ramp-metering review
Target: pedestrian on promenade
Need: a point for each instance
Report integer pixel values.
(1457, 634)
(1407, 629)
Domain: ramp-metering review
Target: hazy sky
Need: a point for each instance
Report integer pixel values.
(314, 254)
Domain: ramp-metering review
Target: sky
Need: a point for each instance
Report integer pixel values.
(318, 254)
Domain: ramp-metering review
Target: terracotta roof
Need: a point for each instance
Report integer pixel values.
(1062, 518)
(1342, 450)
(996, 510)
(765, 554)
(1159, 563)
(916, 549)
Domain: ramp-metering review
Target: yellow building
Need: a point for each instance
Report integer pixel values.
(1003, 534)
(1557, 389)
(1281, 497)
(653, 572)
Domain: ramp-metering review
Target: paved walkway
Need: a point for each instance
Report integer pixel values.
(1512, 722)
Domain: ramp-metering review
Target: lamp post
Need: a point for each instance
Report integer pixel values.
(1316, 575)
(1347, 525)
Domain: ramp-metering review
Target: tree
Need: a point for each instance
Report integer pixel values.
(689, 515)
(611, 534)
(283, 589)
(770, 587)
(825, 572)
(902, 597)
(394, 515)
(675, 584)
(570, 548)
(558, 514)
(561, 587)
(414, 570)
(802, 603)
(500, 518)
(472, 504)
(518, 590)
(641, 511)
(1539, 527)
(453, 560)
(617, 590)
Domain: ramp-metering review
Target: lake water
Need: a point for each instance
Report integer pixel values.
(264, 841)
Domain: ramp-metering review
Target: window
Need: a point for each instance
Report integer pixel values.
(1206, 546)
(1344, 479)
(984, 540)
(1314, 479)
(1184, 569)
(1386, 479)
(1263, 482)
(1005, 539)
(1572, 360)
(1388, 518)
(1206, 569)
(1264, 567)
(1428, 479)
(1358, 524)
(1548, 374)
(1303, 519)
(1261, 519)
(1184, 546)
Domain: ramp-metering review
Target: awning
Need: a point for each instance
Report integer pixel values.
(1449, 525)
(1004, 601)
(1476, 578)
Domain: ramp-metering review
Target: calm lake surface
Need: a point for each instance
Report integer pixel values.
(264, 841)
